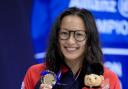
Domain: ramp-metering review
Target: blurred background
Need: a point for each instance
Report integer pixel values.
(25, 27)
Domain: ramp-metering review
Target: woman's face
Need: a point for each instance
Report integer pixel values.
(72, 38)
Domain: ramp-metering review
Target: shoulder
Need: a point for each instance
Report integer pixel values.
(34, 71)
(32, 75)
(37, 68)
(109, 73)
(112, 78)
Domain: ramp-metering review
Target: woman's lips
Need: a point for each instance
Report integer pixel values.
(71, 49)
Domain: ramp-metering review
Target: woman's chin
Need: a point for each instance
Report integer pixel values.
(71, 57)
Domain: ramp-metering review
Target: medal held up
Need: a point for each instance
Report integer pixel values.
(48, 77)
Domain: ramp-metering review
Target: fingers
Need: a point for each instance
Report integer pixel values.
(45, 86)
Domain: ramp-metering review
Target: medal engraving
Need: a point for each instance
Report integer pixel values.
(49, 77)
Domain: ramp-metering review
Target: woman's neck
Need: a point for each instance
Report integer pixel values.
(74, 65)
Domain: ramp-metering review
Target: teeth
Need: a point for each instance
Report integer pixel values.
(71, 49)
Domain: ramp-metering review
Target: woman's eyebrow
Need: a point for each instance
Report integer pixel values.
(65, 29)
(71, 29)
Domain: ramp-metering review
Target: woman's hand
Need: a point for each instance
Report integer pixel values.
(45, 86)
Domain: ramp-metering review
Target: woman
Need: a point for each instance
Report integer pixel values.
(74, 45)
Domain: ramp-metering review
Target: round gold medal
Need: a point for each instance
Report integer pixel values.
(49, 78)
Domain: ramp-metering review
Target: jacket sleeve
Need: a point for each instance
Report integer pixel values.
(28, 81)
(114, 81)
(117, 83)
(32, 77)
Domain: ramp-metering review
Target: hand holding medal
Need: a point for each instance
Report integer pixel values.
(48, 79)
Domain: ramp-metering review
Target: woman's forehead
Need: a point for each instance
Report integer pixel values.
(72, 22)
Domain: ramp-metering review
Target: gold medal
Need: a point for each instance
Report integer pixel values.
(48, 77)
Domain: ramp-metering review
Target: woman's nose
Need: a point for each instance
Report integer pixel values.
(71, 39)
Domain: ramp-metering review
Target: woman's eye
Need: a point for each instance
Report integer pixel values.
(79, 34)
(64, 33)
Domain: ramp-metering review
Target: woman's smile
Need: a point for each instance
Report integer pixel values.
(71, 50)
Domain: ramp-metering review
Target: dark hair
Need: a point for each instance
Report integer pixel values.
(93, 53)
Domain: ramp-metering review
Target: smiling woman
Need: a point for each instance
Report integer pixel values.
(73, 48)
